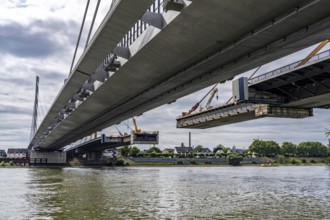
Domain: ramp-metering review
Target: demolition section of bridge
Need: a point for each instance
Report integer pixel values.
(291, 91)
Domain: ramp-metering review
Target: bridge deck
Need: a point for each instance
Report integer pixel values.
(190, 52)
(306, 86)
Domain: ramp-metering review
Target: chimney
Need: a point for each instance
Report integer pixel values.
(189, 139)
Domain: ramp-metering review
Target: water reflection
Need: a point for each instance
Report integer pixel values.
(166, 193)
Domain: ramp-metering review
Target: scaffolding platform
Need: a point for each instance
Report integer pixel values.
(233, 113)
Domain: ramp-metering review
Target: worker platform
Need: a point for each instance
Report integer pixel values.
(291, 91)
(233, 113)
(106, 142)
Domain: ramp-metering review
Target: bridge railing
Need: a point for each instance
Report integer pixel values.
(140, 26)
(287, 68)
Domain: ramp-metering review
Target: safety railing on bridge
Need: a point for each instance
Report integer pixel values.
(287, 68)
(139, 27)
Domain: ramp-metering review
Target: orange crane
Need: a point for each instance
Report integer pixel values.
(317, 49)
(136, 129)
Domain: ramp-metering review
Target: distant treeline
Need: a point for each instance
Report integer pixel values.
(304, 149)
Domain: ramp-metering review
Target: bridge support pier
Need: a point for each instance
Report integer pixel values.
(94, 158)
(47, 158)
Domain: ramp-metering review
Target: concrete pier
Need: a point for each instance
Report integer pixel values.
(47, 158)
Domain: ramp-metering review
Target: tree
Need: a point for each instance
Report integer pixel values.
(265, 148)
(133, 151)
(312, 149)
(218, 147)
(234, 159)
(198, 149)
(124, 150)
(288, 149)
(154, 150)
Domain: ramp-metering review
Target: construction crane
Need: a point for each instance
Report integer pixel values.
(317, 49)
(136, 129)
(121, 134)
(207, 105)
(145, 137)
(198, 103)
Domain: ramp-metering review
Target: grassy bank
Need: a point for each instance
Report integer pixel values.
(300, 160)
(296, 161)
(4, 164)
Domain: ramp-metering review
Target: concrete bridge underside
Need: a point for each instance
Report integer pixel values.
(207, 42)
(291, 91)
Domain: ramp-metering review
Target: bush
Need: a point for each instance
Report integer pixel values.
(207, 162)
(282, 160)
(294, 161)
(119, 163)
(234, 159)
(313, 161)
(193, 162)
(303, 160)
(179, 162)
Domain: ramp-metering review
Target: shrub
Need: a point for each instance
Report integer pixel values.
(179, 162)
(193, 162)
(294, 161)
(119, 163)
(234, 159)
(303, 160)
(313, 161)
(207, 162)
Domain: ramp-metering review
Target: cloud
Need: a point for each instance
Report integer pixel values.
(29, 41)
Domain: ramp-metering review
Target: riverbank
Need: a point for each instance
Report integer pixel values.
(282, 161)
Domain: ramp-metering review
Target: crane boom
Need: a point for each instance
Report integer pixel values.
(198, 103)
(214, 91)
(317, 49)
(136, 129)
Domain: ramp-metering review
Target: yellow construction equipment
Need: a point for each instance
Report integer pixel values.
(317, 49)
(136, 129)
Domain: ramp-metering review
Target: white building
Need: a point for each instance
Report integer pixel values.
(17, 153)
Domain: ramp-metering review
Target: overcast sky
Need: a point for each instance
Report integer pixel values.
(38, 37)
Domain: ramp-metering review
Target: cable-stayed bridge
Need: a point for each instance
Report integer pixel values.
(148, 53)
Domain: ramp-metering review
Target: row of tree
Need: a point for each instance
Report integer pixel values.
(304, 149)
(258, 147)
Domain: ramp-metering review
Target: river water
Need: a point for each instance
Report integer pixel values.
(293, 192)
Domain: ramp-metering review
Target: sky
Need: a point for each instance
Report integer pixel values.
(38, 37)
